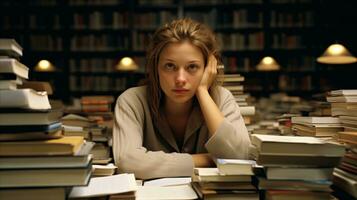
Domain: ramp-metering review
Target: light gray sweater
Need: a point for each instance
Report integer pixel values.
(149, 149)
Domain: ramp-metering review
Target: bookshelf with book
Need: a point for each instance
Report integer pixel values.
(87, 38)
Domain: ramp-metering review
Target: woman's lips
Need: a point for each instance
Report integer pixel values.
(180, 91)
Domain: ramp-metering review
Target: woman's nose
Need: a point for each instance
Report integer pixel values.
(180, 77)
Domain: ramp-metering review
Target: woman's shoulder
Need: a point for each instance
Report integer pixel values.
(222, 92)
(134, 94)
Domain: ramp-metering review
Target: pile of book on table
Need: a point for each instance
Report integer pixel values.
(232, 179)
(295, 166)
(36, 160)
(93, 120)
(344, 106)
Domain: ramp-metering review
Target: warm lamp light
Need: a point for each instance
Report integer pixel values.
(127, 64)
(268, 64)
(336, 54)
(45, 66)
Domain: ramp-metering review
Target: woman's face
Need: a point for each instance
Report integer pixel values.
(181, 67)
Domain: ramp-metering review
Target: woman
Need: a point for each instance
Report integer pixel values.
(181, 118)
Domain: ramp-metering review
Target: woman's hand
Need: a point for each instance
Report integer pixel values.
(209, 74)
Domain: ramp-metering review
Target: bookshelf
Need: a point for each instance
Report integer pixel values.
(86, 38)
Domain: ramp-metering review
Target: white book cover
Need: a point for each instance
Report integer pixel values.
(11, 65)
(24, 98)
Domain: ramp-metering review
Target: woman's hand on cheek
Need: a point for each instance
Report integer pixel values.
(209, 74)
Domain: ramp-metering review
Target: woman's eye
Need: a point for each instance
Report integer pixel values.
(193, 67)
(169, 66)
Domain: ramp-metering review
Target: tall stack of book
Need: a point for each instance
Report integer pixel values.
(344, 106)
(99, 110)
(296, 165)
(232, 179)
(233, 82)
(35, 159)
(316, 126)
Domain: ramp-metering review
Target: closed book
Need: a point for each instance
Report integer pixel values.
(296, 195)
(343, 92)
(52, 177)
(298, 173)
(56, 193)
(61, 146)
(24, 98)
(11, 65)
(296, 145)
(8, 85)
(9, 47)
(235, 166)
(39, 86)
(320, 185)
(38, 162)
(213, 175)
(30, 118)
(313, 120)
(30, 128)
(345, 181)
(38, 135)
(297, 161)
(223, 194)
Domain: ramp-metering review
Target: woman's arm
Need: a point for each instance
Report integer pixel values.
(213, 116)
(224, 121)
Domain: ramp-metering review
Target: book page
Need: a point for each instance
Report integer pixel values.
(168, 181)
(168, 193)
(102, 186)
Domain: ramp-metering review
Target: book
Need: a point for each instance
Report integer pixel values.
(104, 170)
(38, 86)
(223, 194)
(235, 166)
(45, 177)
(10, 47)
(247, 110)
(213, 175)
(313, 120)
(101, 186)
(178, 192)
(296, 161)
(39, 135)
(24, 98)
(11, 65)
(298, 173)
(61, 146)
(30, 118)
(8, 85)
(295, 195)
(345, 181)
(343, 92)
(56, 193)
(296, 145)
(347, 137)
(30, 128)
(342, 99)
(38, 162)
(320, 185)
(169, 181)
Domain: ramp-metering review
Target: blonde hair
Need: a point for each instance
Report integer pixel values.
(177, 31)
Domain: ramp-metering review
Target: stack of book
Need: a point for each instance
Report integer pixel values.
(35, 158)
(295, 165)
(233, 82)
(316, 126)
(344, 106)
(99, 110)
(232, 179)
(345, 175)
